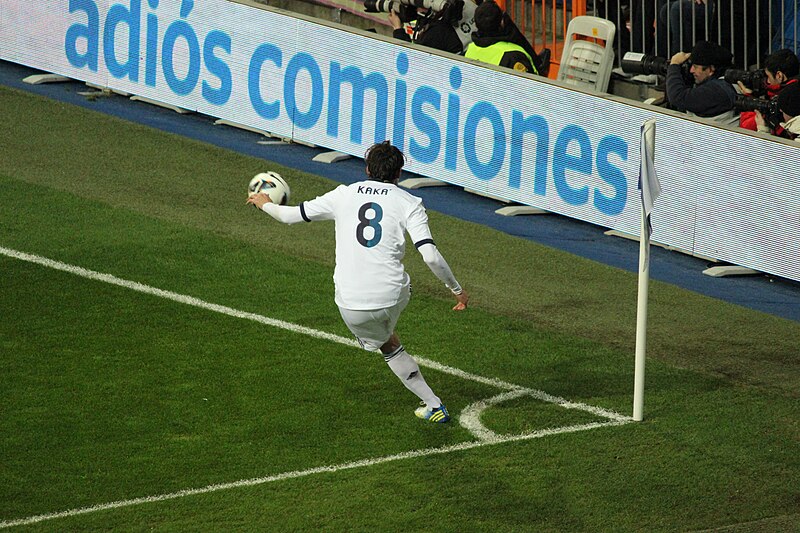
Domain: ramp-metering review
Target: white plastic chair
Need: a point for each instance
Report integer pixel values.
(588, 64)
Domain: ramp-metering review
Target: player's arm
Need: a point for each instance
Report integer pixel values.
(421, 237)
(282, 213)
(436, 262)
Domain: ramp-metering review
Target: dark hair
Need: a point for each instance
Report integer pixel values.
(384, 162)
(784, 60)
(789, 99)
(488, 18)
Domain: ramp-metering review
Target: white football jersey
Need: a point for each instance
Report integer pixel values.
(371, 219)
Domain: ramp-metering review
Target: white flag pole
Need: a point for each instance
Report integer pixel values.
(650, 189)
(641, 322)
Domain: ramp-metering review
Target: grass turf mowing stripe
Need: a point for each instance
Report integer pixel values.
(196, 302)
(302, 473)
(469, 419)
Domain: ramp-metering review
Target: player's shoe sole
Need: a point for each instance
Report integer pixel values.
(438, 415)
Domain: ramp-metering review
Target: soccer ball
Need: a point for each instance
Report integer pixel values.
(272, 184)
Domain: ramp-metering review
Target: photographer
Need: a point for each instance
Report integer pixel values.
(789, 105)
(434, 29)
(780, 69)
(709, 96)
(496, 41)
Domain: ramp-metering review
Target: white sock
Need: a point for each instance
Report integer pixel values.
(405, 368)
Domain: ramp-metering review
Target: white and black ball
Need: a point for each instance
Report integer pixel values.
(272, 184)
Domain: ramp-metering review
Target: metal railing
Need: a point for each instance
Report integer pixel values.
(750, 29)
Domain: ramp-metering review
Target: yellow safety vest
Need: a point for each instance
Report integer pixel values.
(494, 53)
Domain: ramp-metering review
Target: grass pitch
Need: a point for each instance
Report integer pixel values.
(112, 395)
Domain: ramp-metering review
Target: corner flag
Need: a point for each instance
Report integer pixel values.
(650, 190)
(648, 180)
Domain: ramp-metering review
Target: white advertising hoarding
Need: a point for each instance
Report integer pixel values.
(727, 195)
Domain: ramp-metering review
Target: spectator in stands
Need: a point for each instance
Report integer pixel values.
(635, 21)
(709, 96)
(789, 106)
(494, 41)
(682, 22)
(780, 69)
(433, 29)
(744, 26)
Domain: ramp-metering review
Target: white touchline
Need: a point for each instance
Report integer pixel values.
(469, 418)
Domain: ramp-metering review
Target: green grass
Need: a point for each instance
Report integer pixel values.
(110, 394)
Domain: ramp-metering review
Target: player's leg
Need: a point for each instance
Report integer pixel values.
(407, 370)
(374, 330)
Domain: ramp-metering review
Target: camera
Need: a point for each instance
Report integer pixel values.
(458, 13)
(768, 108)
(636, 63)
(398, 6)
(752, 79)
(406, 12)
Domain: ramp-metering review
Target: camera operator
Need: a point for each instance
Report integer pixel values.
(497, 40)
(789, 106)
(709, 96)
(433, 29)
(780, 69)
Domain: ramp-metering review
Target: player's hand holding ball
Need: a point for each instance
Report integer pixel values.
(258, 199)
(267, 187)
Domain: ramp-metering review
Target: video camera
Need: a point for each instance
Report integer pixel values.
(768, 108)
(752, 79)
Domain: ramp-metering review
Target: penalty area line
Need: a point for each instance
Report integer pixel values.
(362, 463)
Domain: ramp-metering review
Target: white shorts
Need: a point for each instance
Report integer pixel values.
(374, 327)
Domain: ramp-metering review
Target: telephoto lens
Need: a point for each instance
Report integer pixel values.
(636, 63)
(380, 6)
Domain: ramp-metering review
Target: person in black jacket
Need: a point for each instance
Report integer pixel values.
(710, 95)
(433, 29)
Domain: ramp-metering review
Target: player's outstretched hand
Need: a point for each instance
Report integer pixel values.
(463, 299)
(258, 200)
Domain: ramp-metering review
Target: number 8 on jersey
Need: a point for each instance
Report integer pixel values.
(369, 222)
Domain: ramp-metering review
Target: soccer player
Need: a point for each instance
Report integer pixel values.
(372, 286)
